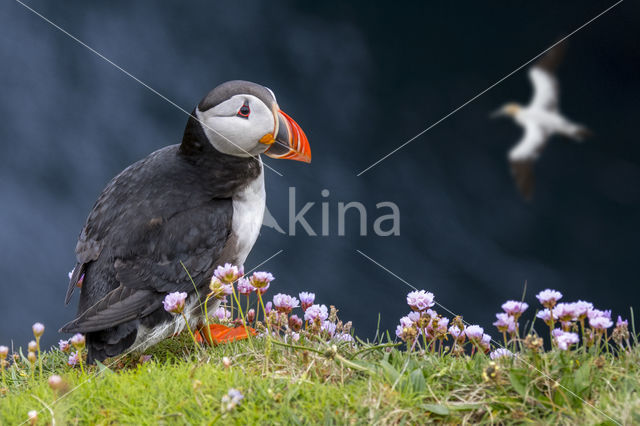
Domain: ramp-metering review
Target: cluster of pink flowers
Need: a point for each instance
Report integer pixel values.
(424, 323)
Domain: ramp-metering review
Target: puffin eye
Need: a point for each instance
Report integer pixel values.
(244, 111)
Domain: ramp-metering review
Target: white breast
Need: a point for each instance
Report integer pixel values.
(248, 212)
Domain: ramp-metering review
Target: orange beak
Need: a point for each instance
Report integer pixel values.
(290, 142)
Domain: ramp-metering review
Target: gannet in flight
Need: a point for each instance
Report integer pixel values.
(540, 119)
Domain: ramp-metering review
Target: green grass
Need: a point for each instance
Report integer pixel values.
(380, 385)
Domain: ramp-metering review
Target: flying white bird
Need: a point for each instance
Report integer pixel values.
(540, 119)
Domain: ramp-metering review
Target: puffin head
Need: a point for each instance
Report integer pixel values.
(243, 119)
(508, 110)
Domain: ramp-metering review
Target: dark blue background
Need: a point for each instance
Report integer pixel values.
(361, 80)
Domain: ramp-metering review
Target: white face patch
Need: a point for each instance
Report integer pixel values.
(236, 135)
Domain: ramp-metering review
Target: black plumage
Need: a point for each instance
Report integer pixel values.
(173, 206)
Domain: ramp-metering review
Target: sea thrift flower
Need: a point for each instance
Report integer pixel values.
(226, 361)
(557, 332)
(500, 353)
(565, 312)
(63, 345)
(406, 321)
(78, 341)
(33, 417)
(74, 359)
(314, 312)
(329, 328)
(232, 399)
(222, 314)
(38, 329)
(548, 298)
(443, 323)
(474, 332)
(621, 323)
(228, 273)
(31, 356)
(566, 339)
(295, 323)
(144, 359)
(505, 322)
(597, 313)
(251, 315)
(306, 299)
(261, 280)
(174, 302)
(456, 333)
(219, 289)
(514, 308)
(344, 337)
(582, 308)
(33, 346)
(55, 382)
(485, 343)
(420, 300)
(4, 352)
(414, 316)
(267, 307)
(295, 336)
(244, 286)
(285, 303)
(600, 323)
(545, 315)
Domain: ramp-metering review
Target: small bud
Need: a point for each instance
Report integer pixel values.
(4, 351)
(33, 346)
(251, 315)
(78, 341)
(33, 417)
(38, 329)
(226, 361)
(31, 356)
(55, 382)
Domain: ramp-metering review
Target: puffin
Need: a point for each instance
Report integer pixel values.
(176, 215)
(540, 120)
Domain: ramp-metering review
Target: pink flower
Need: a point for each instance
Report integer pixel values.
(228, 273)
(329, 328)
(77, 341)
(474, 332)
(267, 307)
(74, 358)
(420, 300)
(557, 332)
(64, 345)
(600, 323)
(261, 279)
(485, 343)
(344, 337)
(565, 312)
(597, 313)
(457, 334)
(4, 351)
(582, 308)
(548, 298)
(295, 323)
(244, 286)
(407, 321)
(174, 302)
(285, 303)
(514, 308)
(505, 322)
(306, 299)
(621, 323)
(38, 329)
(442, 325)
(222, 314)
(219, 289)
(251, 315)
(566, 339)
(500, 353)
(545, 315)
(314, 312)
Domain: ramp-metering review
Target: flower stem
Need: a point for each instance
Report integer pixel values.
(39, 357)
(195, 342)
(244, 323)
(266, 321)
(80, 361)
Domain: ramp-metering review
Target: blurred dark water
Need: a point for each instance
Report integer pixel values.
(361, 80)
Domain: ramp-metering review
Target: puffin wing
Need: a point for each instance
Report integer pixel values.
(149, 259)
(545, 84)
(523, 156)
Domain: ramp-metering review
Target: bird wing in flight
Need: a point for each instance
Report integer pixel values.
(523, 156)
(545, 85)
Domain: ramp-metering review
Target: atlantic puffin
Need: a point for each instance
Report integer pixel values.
(199, 203)
(540, 119)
